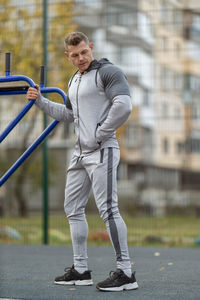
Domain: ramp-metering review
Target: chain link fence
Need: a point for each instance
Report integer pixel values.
(157, 45)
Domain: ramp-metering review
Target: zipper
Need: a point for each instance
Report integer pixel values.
(79, 142)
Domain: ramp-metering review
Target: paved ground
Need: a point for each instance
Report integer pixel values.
(27, 272)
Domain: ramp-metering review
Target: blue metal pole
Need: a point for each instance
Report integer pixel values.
(17, 78)
(14, 122)
(26, 154)
(26, 108)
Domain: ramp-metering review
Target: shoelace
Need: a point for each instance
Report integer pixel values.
(68, 269)
(115, 274)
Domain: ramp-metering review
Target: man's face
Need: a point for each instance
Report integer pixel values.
(80, 55)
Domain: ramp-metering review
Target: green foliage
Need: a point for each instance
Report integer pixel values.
(142, 231)
(3, 164)
(21, 34)
(61, 24)
(35, 171)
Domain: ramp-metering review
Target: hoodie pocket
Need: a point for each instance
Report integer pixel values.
(88, 138)
(98, 141)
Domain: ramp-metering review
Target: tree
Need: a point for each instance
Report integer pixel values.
(21, 34)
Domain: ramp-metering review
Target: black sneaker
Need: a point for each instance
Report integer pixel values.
(118, 281)
(72, 277)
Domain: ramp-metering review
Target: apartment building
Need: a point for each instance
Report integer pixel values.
(156, 43)
(191, 33)
(177, 63)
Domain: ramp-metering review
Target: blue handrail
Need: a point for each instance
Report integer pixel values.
(27, 153)
(25, 109)
(28, 105)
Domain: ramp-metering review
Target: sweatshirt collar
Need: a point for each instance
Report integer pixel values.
(96, 64)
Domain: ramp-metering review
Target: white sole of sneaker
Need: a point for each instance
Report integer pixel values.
(127, 287)
(84, 282)
(75, 282)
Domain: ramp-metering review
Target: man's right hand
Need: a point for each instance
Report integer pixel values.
(33, 93)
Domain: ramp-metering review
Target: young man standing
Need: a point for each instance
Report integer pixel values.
(98, 102)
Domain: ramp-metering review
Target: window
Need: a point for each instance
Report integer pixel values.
(179, 147)
(166, 79)
(146, 97)
(178, 22)
(164, 11)
(192, 50)
(177, 113)
(196, 21)
(164, 43)
(177, 50)
(118, 15)
(91, 3)
(145, 27)
(164, 112)
(165, 145)
(132, 136)
(193, 145)
(196, 112)
(125, 19)
(178, 82)
(195, 83)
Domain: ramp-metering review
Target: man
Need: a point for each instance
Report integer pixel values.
(98, 102)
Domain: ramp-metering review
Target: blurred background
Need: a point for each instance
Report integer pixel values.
(157, 44)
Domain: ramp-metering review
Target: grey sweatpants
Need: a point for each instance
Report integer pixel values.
(97, 170)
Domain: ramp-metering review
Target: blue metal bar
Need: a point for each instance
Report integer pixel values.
(17, 78)
(28, 105)
(4, 93)
(34, 145)
(26, 154)
(43, 90)
(54, 90)
(14, 122)
(25, 109)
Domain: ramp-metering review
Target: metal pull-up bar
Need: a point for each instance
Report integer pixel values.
(16, 90)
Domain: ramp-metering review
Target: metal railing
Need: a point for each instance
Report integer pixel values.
(17, 90)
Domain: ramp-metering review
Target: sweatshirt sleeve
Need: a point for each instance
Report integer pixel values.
(117, 90)
(118, 114)
(57, 111)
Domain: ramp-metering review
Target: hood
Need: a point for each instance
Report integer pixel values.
(96, 64)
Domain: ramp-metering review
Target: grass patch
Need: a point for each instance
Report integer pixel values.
(175, 231)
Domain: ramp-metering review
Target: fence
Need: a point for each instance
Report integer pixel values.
(156, 44)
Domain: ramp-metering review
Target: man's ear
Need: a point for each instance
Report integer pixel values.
(91, 46)
(66, 54)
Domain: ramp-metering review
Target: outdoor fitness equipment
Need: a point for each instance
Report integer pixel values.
(16, 90)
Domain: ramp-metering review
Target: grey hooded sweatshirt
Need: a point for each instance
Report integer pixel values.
(98, 102)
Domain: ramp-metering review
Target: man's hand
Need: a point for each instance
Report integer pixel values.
(33, 93)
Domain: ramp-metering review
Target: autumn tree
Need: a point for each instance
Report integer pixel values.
(21, 34)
